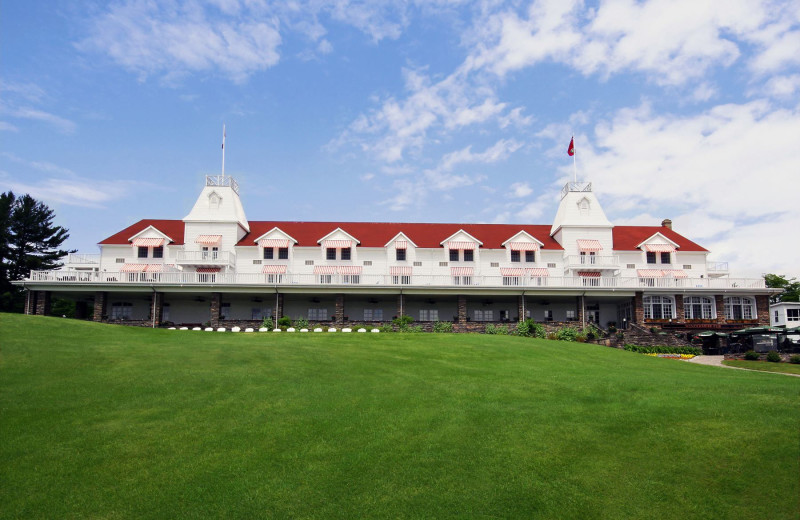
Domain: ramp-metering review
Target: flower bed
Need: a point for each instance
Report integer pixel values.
(671, 356)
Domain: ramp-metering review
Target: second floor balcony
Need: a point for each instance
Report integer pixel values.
(206, 258)
(593, 261)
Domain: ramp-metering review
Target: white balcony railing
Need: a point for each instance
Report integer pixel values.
(717, 267)
(206, 258)
(380, 280)
(593, 261)
(82, 259)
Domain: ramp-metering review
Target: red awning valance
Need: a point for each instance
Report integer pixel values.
(463, 246)
(273, 269)
(133, 268)
(208, 269)
(538, 272)
(523, 246)
(400, 271)
(461, 271)
(208, 240)
(148, 242)
(676, 273)
(400, 244)
(349, 269)
(273, 242)
(659, 248)
(337, 244)
(649, 273)
(154, 268)
(512, 271)
(589, 246)
(589, 274)
(324, 269)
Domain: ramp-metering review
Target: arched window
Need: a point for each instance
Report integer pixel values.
(658, 307)
(698, 307)
(740, 308)
(583, 207)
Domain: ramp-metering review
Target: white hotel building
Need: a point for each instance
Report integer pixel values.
(218, 268)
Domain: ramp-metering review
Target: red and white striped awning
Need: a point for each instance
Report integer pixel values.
(659, 248)
(273, 269)
(676, 273)
(349, 269)
(273, 242)
(461, 271)
(589, 245)
(324, 269)
(208, 240)
(523, 246)
(538, 272)
(463, 246)
(400, 244)
(148, 242)
(649, 273)
(208, 269)
(337, 244)
(154, 268)
(512, 271)
(589, 274)
(400, 271)
(133, 268)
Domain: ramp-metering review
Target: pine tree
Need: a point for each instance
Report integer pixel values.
(28, 240)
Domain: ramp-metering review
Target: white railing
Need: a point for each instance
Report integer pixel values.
(575, 186)
(379, 280)
(220, 180)
(206, 257)
(79, 258)
(593, 261)
(717, 266)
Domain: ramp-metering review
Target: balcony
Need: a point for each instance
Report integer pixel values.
(82, 260)
(206, 258)
(592, 262)
(387, 281)
(717, 269)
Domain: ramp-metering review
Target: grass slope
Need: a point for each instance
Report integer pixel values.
(764, 366)
(116, 422)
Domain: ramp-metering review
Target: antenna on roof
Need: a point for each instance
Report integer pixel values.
(223, 151)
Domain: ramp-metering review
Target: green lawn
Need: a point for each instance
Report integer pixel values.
(764, 366)
(114, 422)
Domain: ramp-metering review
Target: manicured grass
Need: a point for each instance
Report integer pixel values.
(764, 366)
(115, 422)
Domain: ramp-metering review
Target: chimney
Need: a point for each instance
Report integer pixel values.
(667, 223)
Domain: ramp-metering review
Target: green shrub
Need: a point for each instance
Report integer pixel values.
(300, 323)
(386, 328)
(551, 335)
(491, 328)
(581, 337)
(442, 327)
(266, 323)
(773, 356)
(567, 334)
(284, 321)
(530, 328)
(795, 360)
(751, 355)
(403, 324)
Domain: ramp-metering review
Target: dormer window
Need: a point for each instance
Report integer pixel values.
(651, 257)
(330, 253)
(454, 255)
(346, 253)
(469, 255)
(515, 256)
(583, 207)
(158, 252)
(214, 200)
(141, 252)
(400, 255)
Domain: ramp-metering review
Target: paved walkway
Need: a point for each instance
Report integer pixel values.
(716, 361)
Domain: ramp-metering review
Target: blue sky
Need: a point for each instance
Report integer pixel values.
(440, 111)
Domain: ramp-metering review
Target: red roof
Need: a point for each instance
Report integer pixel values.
(378, 234)
(626, 238)
(171, 228)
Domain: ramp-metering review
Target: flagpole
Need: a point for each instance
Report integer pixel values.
(223, 151)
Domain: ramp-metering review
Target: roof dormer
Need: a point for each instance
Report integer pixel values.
(219, 202)
(579, 208)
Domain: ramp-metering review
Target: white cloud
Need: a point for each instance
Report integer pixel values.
(520, 189)
(16, 100)
(783, 86)
(74, 190)
(7, 127)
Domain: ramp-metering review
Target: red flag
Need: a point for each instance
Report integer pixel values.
(571, 149)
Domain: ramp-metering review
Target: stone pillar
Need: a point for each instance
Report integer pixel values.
(522, 307)
(581, 306)
(679, 307)
(401, 305)
(43, 303)
(638, 308)
(277, 310)
(81, 311)
(762, 309)
(30, 302)
(720, 304)
(216, 308)
(339, 316)
(100, 306)
(462, 308)
(158, 307)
